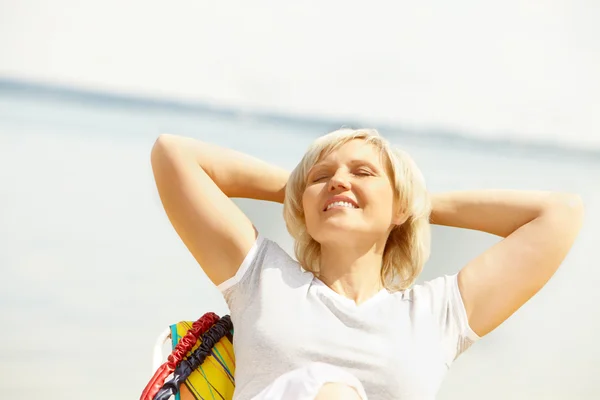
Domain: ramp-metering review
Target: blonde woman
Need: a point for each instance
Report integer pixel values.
(345, 321)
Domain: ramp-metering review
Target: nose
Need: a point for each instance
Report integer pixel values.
(339, 182)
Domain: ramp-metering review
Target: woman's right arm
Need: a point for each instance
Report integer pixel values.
(195, 181)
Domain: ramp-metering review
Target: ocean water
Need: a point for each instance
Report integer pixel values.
(91, 270)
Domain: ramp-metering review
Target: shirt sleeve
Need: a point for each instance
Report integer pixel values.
(262, 270)
(449, 314)
(246, 266)
(237, 289)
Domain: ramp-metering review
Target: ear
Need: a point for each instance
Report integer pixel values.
(400, 218)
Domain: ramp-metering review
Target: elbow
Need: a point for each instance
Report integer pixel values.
(570, 206)
(172, 154)
(162, 148)
(576, 207)
(571, 202)
(163, 141)
(164, 160)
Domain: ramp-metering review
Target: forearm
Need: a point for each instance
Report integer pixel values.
(235, 173)
(499, 212)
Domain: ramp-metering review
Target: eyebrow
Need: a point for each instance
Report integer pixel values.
(351, 162)
(366, 163)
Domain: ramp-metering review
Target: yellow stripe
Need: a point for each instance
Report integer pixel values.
(210, 377)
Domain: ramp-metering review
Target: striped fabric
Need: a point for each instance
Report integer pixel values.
(214, 378)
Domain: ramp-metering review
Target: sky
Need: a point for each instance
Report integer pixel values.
(523, 71)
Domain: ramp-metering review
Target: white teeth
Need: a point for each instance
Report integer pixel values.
(340, 204)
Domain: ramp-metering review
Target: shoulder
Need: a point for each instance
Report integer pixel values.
(437, 304)
(264, 255)
(432, 290)
(441, 299)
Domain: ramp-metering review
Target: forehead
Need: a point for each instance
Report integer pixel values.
(356, 149)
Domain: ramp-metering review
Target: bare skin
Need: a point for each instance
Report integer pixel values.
(538, 228)
(352, 239)
(196, 180)
(337, 391)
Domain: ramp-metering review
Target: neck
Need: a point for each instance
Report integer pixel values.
(352, 271)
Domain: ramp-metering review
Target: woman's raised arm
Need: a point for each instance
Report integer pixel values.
(538, 228)
(195, 181)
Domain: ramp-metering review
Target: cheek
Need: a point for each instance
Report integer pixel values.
(309, 203)
(382, 198)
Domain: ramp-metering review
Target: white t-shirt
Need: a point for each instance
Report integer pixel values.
(399, 345)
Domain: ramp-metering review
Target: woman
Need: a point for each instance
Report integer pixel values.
(344, 321)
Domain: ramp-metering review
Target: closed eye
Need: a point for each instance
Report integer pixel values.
(363, 172)
(318, 178)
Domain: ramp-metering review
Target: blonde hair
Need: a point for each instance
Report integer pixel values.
(408, 245)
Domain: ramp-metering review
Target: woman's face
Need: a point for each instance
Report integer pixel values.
(349, 193)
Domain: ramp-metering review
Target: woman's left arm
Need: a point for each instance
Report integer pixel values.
(538, 228)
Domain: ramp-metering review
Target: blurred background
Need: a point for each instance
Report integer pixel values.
(502, 95)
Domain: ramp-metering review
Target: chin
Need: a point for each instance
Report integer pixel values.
(338, 232)
(346, 232)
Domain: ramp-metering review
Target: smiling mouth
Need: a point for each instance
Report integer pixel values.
(340, 204)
